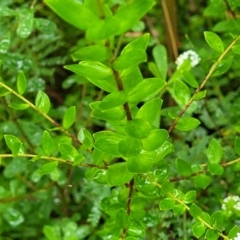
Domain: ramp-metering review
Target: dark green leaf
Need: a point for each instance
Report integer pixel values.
(130, 147)
(214, 41)
(69, 117)
(214, 151)
(237, 145)
(183, 167)
(25, 26)
(45, 26)
(117, 174)
(47, 143)
(187, 123)
(202, 181)
(122, 218)
(140, 164)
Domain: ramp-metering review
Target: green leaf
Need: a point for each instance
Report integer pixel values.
(160, 56)
(178, 209)
(117, 174)
(19, 106)
(5, 44)
(190, 196)
(14, 144)
(217, 221)
(233, 232)
(161, 173)
(42, 102)
(73, 13)
(7, 12)
(113, 99)
(68, 152)
(97, 175)
(202, 181)
(140, 164)
(214, 151)
(223, 66)
(138, 128)
(89, 53)
(198, 229)
(155, 139)
(145, 89)
(195, 211)
(85, 137)
(12, 216)
(78, 159)
(47, 143)
(237, 145)
(97, 73)
(150, 111)
(187, 123)
(183, 167)
(182, 92)
(189, 79)
(49, 232)
(130, 147)
(215, 169)
(47, 168)
(211, 234)
(45, 26)
(236, 49)
(25, 26)
(69, 117)
(200, 95)
(214, 41)
(122, 218)
(166, 203)
(129, 59)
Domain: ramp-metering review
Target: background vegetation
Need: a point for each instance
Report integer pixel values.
(63, 173)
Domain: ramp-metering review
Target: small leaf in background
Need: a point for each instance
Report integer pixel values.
(215, 169)
(68, 152)
(12, 216)
(223, 66)
(155, 139)
(145, 89)
(47, 168)
(25, 26)
(189, 79)
(183, 167)
(14, 144)
(45, 26)
(195, 210)
(4, 45)
(198, 229)
(117, 174)
(190, 196)
(166, 203)
(21, 82)
(140, 164)
(187, 123)
(7, 12)
(202, 181)
(214, 41)
(47, 143)
(85, 137)
(237, 145)
(49, 232)
(214, 151)
(69, 117)
(200, 95)
(160, 56)
(182, 92)
(42, 102)
(138, 128)
(211, 234)
(130, 147)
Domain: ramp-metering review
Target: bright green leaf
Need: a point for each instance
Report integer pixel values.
(160, 56)
(49, 232)
(190, 196)
(189, 79)
(68, 152)
(217, 221)
(233, 232)
(166, 203)
(130, 147)
(223, 66)
(202, 181)
(69, 117)
(140, 164)
(214, 151)
(183, 167)
(182, 92)
(117, 174)
(214, 41)
(42, 102)
(198, 229)
(187, 123)
(85, 137)
(211, 234)
(195, 211)
(14, 144)
(200, 95)
(19, 106)
(78, 159)
(47, 143)
(47, 168)
(122, 218)
(215, 169)
(178, 209)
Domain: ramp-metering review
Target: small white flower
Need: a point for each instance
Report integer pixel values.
(237, 237)
(191, 55)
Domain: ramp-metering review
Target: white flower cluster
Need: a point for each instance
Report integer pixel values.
(191, 55)
(237, 237)
(234, 199)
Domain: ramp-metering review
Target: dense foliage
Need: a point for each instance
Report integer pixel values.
(120, 119)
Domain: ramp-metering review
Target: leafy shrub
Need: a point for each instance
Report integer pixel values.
(140, 148)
